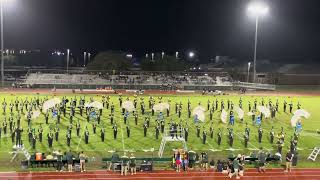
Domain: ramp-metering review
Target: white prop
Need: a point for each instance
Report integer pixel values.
(297, 115)
(199, 111)
(161, 107)
(34, 114)
(249, 113)
(50, 104)
(264, 110)
(302, 113)
(128, 105)
(224, 116)
(94, 104)
(240, 112)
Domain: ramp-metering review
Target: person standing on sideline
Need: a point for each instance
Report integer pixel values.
(132, 164)
(69, 158)
(289, 158)
(236, 165)
(262, 160)
(59, 161)
(82, 158)
(124, 165)
(178, 160)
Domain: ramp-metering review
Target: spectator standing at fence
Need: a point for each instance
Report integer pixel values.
(204, 160)
(289, 157)
(236, 165)
(185, 161)
(132, 164)
(241, 165)
(59, 161)
(212, 164)
(261, 160)
(178, 160)
(69, 158)
(82, 158)
(124, 165)
(219, 166)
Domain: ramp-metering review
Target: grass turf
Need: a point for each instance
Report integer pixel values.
(97, 149)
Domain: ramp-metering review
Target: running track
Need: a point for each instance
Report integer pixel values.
(251, 174)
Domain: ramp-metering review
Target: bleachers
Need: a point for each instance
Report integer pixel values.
(142, 80)
(50, 78)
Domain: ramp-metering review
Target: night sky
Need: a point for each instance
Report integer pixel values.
(209, 27)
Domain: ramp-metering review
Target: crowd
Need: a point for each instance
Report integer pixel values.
(234, 166)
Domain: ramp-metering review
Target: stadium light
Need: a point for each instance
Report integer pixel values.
(84, 58)
(191, 54)
(257, 9)
(248, 75)
(89, 57)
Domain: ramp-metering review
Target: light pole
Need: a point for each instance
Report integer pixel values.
(68, 56)
(2, 61)
(257, 9)
(248, 75)
(84, 58)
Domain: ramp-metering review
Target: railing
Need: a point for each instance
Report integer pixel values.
(110, 72)
(140, 82)
(255, 85)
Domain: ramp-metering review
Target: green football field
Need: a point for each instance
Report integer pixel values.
(142, 145)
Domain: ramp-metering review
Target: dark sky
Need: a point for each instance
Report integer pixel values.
(210, 27)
